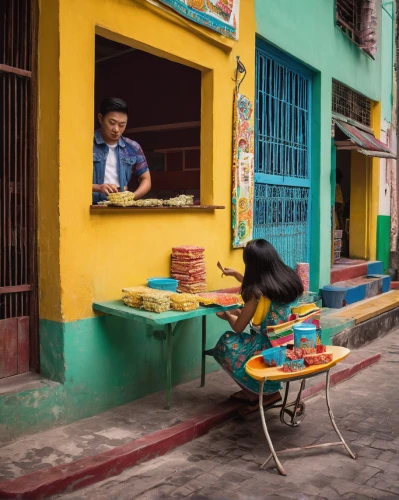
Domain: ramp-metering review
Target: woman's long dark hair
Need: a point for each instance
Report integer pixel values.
(267, 275)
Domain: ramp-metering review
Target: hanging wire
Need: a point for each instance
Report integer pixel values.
(240, 70)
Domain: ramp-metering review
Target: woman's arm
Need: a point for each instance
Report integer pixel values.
(239, 323)
(228, 271)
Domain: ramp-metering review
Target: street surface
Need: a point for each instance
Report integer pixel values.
(224, 465)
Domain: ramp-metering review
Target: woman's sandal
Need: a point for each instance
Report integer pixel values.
(240, 396)
(254, 406)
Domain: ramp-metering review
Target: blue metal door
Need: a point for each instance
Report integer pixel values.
(282, 155)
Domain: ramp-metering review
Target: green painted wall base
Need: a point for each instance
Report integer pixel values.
(383, 239)
(100, 363)
(331, 325)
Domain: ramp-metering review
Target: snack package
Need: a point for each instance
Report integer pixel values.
(318, 359)
(184, 302)
(293, 352)
(290, 366)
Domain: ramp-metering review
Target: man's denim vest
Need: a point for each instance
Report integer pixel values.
(127, 158)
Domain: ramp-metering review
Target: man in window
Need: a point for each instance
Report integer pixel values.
(116, 158)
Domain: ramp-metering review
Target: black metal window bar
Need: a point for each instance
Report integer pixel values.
(357, 19)
(347, 18)
(351, 104)
(17, 165)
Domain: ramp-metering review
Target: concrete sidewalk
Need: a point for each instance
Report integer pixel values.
(91, 449)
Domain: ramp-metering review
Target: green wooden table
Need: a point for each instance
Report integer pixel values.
(169, 321)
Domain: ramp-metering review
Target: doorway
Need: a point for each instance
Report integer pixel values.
(283, 154)
(343, 183)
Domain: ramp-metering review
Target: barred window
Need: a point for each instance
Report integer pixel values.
(358, 20)
(349, 103)
(348, 18)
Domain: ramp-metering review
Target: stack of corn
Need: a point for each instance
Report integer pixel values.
(149, 202)
(180, 201)
(133, 297)
(123, 199)
(184, 302)
(157, 301)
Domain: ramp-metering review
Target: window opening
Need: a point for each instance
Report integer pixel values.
(351, 104)
(164, 100)
(358, 20)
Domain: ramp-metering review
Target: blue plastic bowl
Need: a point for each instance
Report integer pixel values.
(168, 284)
(275, 356)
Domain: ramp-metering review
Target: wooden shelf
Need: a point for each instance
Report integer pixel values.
(99, 209)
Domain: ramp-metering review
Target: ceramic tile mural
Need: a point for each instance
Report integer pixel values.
(217, 15)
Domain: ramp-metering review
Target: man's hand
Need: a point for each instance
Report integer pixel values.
(105, 188)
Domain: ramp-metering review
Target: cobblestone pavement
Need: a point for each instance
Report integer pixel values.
(224, 465)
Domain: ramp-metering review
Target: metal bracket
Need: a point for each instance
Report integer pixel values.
(159, 334)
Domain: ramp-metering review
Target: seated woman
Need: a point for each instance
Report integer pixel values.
(266, 276)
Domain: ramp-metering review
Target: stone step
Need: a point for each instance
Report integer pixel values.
(355, 289)
(346, 269)
(357, 324)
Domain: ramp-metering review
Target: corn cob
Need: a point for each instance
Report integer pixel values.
(150, 202)
(123, 199)
(180, 201)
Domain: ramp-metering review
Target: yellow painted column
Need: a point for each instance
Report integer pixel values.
(374, 185)
(365, 185)
(358, 237)
(48, 155)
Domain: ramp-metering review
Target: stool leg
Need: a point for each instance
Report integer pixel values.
(269, 441)
(331, 415)
(203, 351)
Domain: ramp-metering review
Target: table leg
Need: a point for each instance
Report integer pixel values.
(203, 351)
(331, 415)
(169, 367)
(269, 441)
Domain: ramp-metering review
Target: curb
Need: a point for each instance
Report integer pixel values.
(89, 470)
(341, 375)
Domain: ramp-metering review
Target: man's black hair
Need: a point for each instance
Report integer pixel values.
(267, 275)
(114, 104)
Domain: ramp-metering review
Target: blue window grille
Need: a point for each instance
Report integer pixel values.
(282, 156)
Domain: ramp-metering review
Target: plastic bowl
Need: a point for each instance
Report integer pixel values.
(275, 356)
(168, 284)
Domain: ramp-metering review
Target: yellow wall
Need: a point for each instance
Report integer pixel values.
(48, 162)
(99, 254)
(359, 200)
(365, 180)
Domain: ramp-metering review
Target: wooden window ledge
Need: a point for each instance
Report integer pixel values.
(103, 209)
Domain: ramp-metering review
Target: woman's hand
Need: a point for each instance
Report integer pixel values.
(222, 315)
(105, 188)
(229, 271)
